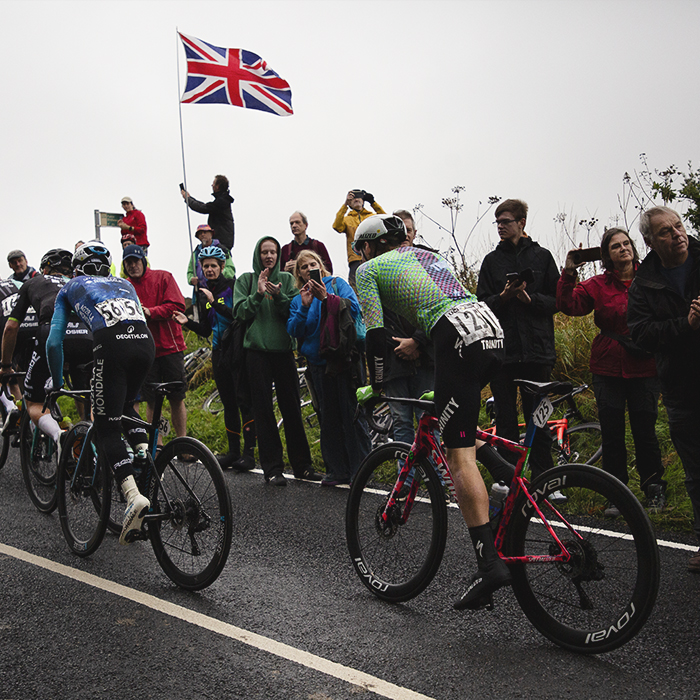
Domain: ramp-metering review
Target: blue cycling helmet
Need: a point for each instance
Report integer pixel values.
(92, 258)
(212, 251)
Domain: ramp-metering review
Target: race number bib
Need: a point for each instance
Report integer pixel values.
(115, 311)
(474, 321)
(541, 414)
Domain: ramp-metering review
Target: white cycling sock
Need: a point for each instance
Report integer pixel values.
(50, 427)
(7, 403)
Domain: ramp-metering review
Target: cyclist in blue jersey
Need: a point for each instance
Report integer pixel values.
(419, 285)
(123, 352)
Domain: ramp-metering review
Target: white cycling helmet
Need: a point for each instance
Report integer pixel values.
(92, 258)
(385, 228)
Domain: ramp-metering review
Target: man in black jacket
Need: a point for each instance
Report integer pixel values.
(663, 315)
(219, 210)
(525, 310)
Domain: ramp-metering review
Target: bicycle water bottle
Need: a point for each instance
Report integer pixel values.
(499, 491)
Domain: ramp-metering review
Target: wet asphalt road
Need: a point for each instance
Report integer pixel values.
(289, 579)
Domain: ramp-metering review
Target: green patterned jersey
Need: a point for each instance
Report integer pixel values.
(413, 282)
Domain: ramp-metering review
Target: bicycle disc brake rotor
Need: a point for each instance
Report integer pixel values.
(387, 527)
(583, 565)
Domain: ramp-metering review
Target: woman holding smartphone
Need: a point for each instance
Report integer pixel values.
(344, 442)
(622, 373)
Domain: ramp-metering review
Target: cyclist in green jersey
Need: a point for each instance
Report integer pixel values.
(419, 285)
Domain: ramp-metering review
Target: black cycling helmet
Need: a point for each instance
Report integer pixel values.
(385, 228)
(57, 259)
(92, 258)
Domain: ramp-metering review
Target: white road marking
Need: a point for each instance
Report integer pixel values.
(284, 651)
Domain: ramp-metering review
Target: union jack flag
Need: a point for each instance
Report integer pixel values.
(233, 77)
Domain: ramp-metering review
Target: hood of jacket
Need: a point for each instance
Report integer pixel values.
(257, 262)
(224, 196)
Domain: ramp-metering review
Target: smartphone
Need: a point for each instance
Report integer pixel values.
(315, 274)
(582, 255)
(527, 275)
(513, 277)
(182, 186)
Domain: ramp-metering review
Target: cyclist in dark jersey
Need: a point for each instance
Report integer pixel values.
(38, 294)
(123, 353)
(9, 292)
(419, 285)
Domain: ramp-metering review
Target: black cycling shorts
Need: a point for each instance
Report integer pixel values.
(461, 372)
(122, 357)
(77, 351)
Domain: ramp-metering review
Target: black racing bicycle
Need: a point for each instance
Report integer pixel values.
(189, 523)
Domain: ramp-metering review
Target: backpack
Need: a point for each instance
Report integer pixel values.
(360, 327)
(338, 334)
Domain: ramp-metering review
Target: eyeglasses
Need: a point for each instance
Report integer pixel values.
(504, 222)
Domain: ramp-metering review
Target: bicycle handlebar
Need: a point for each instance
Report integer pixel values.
(5, 379)
(52, 397)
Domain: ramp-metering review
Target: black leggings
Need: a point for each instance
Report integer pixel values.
(121, 363)
(461, 372)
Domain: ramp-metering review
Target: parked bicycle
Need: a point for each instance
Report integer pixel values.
(573, 438)
(586, 583)
(189, 523)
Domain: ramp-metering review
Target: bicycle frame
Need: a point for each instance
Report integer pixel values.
(557, 426)
(152, 430)
(427, 445)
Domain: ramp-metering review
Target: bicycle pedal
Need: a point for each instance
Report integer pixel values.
(135, 535)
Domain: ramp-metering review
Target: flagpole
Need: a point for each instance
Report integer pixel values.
(182, 141)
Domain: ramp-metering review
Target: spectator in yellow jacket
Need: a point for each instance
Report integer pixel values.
(347, 223)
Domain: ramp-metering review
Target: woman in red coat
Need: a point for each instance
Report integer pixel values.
(622, 373)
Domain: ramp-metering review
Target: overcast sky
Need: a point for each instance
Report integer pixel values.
(550, 102)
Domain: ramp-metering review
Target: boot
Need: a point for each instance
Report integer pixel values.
(234, 450)
(491, 575)
(246, 461)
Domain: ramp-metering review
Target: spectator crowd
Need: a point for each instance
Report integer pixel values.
(261, 322)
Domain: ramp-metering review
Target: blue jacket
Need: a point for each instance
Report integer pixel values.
(304, 322)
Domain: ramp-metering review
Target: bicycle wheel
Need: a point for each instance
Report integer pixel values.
(193, 542)
(83, 492)
(395, 560)
(37, 452)
(583, 444)
(117, 505)
(601, 598)
(4, 439)
(213, 403)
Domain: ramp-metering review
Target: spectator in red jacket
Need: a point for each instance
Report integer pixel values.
(134, 222)
(622, 372)
(160, 297)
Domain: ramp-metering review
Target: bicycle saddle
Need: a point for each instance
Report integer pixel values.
(541, 388)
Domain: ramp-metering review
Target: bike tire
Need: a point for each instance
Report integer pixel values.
(117, 506)
(38, 454)
(193, 544)
(4, 439)
(213, 403)
(583, 444)
(396, 562)
(83, 490)
(602, 597)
